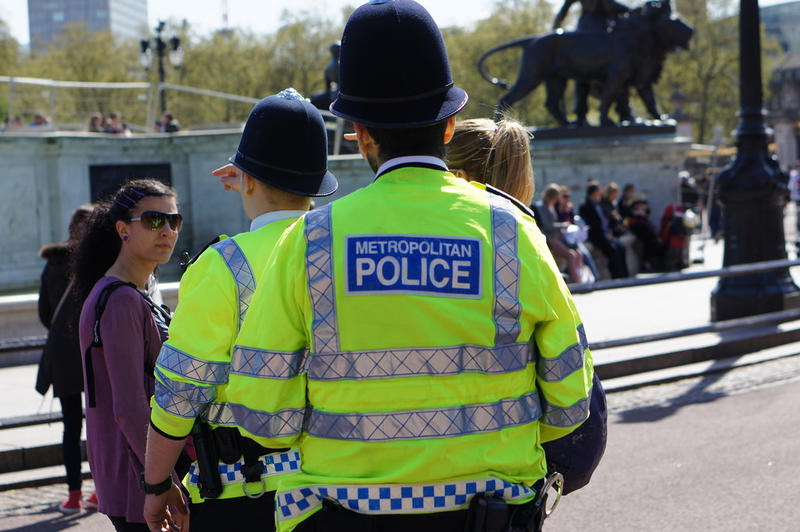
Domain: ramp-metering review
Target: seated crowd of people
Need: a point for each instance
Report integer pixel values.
(610, 225)
(112, 124)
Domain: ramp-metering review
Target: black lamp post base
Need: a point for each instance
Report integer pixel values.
(756, 294)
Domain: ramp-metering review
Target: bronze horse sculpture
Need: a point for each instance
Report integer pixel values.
(630, 55)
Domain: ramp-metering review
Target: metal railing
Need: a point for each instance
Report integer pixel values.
(161, 87)
(53, 84)
(24, 343)
(729, 271)
(153, 95)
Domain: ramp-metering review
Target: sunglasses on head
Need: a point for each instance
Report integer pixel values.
(155, 220)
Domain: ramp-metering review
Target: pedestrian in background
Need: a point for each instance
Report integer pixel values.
(96, 123)
(600, 232)
(60, 365)
(121, 332)
(116, 126)
(169, 124)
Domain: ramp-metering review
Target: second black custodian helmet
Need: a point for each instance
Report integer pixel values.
(285, 144)
(393, 68)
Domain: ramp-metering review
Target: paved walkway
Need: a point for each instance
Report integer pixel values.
(712, 454)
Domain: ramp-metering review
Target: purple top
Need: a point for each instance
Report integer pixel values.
(116, 429)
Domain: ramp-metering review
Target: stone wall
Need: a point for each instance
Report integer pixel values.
(649, 162)
(44, 176)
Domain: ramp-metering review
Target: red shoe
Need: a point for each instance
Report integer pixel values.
(91, 502)
(72, 505)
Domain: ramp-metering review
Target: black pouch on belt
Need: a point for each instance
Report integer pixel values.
(487, 515)
(529, 517)
(226, 440)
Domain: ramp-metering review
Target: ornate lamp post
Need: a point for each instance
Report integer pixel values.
(753, 192)
(160, 46)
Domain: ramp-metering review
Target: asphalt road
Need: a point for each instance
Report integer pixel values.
(712, 453)
(717, 453)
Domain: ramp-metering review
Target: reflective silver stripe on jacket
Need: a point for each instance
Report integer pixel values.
(566, 416)
(192, 368)
(507, 308)
(287, 422)
(426, 424)
(182, 399)
(218, 414)
(418, 361)
(398, 498)
(242, 273)
(319, 268)
(263, 364)
(569, 361)
(274, 464)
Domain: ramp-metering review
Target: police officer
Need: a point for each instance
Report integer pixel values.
(414, 338)
(281, 163)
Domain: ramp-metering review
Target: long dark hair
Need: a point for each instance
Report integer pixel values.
(100, 244)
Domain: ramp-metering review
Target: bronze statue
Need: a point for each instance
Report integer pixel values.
(596, 15)
(323, 100)
(632, 54)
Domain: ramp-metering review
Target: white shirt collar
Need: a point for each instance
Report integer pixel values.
(427, 159)
(274, 216)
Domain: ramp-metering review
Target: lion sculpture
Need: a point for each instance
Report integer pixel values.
(632, 54)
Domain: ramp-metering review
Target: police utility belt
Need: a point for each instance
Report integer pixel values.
(486, 512)
(496, 515)
(225, 457)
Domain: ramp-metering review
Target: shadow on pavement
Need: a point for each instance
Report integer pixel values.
(51, 520)
(697, 393)
(55, 523)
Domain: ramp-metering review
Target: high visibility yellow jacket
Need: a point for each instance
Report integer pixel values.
(437, 345)
(194, 364)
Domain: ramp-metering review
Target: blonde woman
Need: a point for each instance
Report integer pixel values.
(496, 154)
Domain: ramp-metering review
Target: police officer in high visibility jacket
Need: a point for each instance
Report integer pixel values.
(414, 338)
(280, 164)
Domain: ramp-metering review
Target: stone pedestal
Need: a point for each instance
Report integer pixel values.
(45, 176)
(650, 159)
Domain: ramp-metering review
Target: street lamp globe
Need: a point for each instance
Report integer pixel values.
(175, 52)
(146, 55)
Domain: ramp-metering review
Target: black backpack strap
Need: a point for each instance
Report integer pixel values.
(186, 261)
(99, 307)
(162, 310)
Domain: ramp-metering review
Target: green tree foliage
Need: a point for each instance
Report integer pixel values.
(708, 73)
(509, 20)
(80, 55)
(9, 51)
(252, 66)
(296, 54)
(9, 57)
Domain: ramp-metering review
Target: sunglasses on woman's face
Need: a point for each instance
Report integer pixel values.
(155, 220)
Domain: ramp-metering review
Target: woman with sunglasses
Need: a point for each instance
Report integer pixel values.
(121, 332)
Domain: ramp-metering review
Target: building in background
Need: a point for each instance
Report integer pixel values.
(781, 22)
(125, 19)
